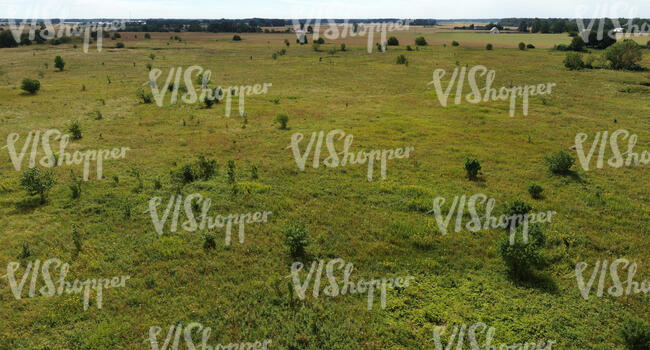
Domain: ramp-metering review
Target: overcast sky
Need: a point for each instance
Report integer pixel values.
(321, 9)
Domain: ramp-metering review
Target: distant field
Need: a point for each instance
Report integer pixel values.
(241, 291)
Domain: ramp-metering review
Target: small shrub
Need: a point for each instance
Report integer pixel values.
(573, 61)
(522, 46)
(98, 115)
(75, 186)
(126, 209)
(37, 182)
(149, 66)
(455, 43)
(209, 241)
(530, 46)
(488, 47)
(286, 42)
(472, 167)
(409, 48)
(561, 47)
(147, 36)
(207, 101)
(236, 38)
(254, 174)
(146, 97)
(77, 239)
(230, 172)
(401, 59)
(577, 44)
(31, 86)
(119, 45)
(25, 251)
(560, 162)
(392, 41)
(157, 184)
(183, 175)
(332, 51)
(320, 41)
(420, 41)
(535, 191)
(296, 239)
(636, 334)
(343, 47)
(283, 120)
(315, 47)
(152, 56)
(624, 55)
(207, 168)
(59, 63)
(75, 130)
(521, 258)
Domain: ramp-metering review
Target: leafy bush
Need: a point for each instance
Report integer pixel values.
(75, 129)
(183, 175)
(296, 239)
(37, 182)
(230, 172)
(521, 258)
(561, 47)
(59, 63)
(392, 41)
(207, 101)
(401, 59)
(207, 168)
(535, 191)
(594, 43)
(409, 48)
(147, 36)
(332, 51)
(209, 241)
(320, 41)
(573, 61)
(315, 47)
(149, 66)
(488, 47)
(283, 120)
(624, 55)
(530, 46)
(236, 38)
(522, 46)
(75, 186)
(455, 43)
(472, 167)
(636, 334)
(420, 41)
(77, 239)
(560, 162)
(146, 97)
(119, 45)
(152, 56)
(343, 47)
(30, 86)
(577, 44)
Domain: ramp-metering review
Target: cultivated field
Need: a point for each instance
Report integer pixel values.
(242, 291)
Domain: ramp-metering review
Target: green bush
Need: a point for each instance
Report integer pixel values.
(392, 41)
(296, 239)
(577, 44)
(573, 61)
(283, 120)
(561, 47)
(230, 172)
(320, 41)
(236, 38)
(624, 55)
(560, 162)
(648, 44)
(522, 258)
(146, 97)
(472, 167)
(75, 186)
(530, 46)
(149, 66)
(207, 168)
(409, 48)
(75, 130)
(147, 36)
(420, 41)
(535, 191)
(455, 43)
(488, 47)
(209, 241)
(183, 175)
(119, 45)
(636, 334)
(514, 209)
(522, 46)
(401, 59)
(37, 182)
(30, 86)
(59, 63)
(343, 47)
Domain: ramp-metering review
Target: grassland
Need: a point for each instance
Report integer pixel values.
(382, 227)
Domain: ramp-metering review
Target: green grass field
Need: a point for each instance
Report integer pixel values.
(382, 227)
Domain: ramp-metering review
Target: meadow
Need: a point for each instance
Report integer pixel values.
(242, 291)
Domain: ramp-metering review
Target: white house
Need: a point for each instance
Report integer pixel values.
(494, 30)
